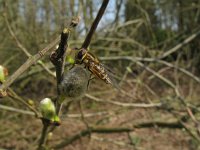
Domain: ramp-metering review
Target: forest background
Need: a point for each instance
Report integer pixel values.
(151, 47)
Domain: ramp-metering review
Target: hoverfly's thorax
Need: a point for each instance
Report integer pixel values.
(84, 56)
(85, 61)
(81, 55)
(92, 64)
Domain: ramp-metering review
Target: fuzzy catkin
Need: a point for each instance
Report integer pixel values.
(74, 84)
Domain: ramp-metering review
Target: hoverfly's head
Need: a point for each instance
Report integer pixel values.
(80, 55)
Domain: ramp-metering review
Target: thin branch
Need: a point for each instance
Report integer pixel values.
(14, 36)
(140, 105)
(19, 43)
(167, 53)
(173, 86)
(30, 61)
(165, 80)
(8, 108)
(16, 97)
(58, 59)
(177, 47)
(26, 112)
(134, 59)
(86, 132)
(189, 74)
(111, 140)
(104, 130)
(103, 113)
(46, 68)
(88, 38)
(44, 133)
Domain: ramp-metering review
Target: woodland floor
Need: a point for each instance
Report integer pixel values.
(21, 132)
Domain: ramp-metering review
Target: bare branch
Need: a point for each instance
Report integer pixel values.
(140, 105)
(58, 59)
(8, 108)
(88, 38)
(30, 61)
(177, 47)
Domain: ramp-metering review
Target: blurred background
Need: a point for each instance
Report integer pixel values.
(152, 50)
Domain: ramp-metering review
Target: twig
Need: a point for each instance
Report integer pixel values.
(125, 40)
(165, 80)
(83, 115)
(95, 24)
(177, 47)
(125, 24)
(14, 36)
(167, 53)
(46, 68)
(189, 74)
(180, 98)
(173, 86)
(160, 124)
(19, 43)
(14, 95)
(43, 135)
(103, 113)
(118, 143)
(140, 105)
(182, 121)
(197, 79)
(36, 71)
(104, 130)
(8, 108)
(86, 132)
(26, 112)
(58, 59)
(30, 61)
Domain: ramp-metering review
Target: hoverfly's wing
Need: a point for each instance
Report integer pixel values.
(112, 76)
(113, 79)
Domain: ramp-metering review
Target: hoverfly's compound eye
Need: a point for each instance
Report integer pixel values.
(80, 55)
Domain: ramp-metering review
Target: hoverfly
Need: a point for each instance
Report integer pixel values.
(93, 65)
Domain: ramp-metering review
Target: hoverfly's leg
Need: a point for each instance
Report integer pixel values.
(91, 78)
(83, 118)
(73, 65)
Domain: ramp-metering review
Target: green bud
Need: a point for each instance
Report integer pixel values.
(129, 69)
(3, 73)
(47, 109)
(70, 59)
(56, 120)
